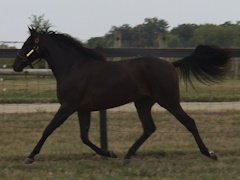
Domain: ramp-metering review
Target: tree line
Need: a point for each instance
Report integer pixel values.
(154, 30)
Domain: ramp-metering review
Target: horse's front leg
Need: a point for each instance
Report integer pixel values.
(84, 122)
(62, 114)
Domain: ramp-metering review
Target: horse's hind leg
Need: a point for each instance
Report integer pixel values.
(84, 122)
(143, 107)
(189, 123)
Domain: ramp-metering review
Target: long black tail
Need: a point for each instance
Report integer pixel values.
(207, 64)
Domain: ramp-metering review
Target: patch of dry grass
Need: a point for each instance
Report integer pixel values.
(170, 153)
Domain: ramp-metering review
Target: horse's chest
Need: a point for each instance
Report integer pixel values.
(70, 92)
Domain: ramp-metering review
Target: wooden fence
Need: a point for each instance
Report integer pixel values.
(133, 52)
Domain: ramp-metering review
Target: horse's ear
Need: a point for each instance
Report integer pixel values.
(33, 31)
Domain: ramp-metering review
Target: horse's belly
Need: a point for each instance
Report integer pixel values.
(110, 99)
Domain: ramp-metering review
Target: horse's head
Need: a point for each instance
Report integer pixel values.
(29, 52)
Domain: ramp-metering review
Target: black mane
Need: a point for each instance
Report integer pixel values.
(70, 42)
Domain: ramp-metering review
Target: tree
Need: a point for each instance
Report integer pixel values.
(207, 34)
(95, 42)
(40, 23)
(142, 35)
(155, 25)
(184, 33)
(152, 28)
(5, 46)
(227, 24)
(174, 41)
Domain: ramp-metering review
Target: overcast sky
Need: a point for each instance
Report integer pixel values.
(91, 18)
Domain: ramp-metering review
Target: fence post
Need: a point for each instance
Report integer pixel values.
(117, 43)
(162, 40)
(235, 68)
(117, 39)
(103, 131)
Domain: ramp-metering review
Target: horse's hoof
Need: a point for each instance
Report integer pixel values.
(126, 162)
(213, 155)
(28, 161)
(112, 154)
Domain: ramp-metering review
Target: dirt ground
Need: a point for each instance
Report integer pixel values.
(31, 108)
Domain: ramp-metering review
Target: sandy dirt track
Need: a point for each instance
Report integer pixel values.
(31, 108)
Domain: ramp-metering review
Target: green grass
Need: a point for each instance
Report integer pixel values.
(228, 90)
(170, 153)
(29, 97)
(30, 89)
(6, 61)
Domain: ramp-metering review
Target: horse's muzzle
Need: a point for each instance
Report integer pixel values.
(17, 69)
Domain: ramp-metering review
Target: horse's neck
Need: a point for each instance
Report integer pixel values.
(59, 62)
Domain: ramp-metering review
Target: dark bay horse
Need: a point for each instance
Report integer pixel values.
(87, 82)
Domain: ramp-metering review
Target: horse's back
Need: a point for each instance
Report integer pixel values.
(153, 69)
(159, 77)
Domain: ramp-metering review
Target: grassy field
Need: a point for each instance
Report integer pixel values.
(171, 153)
(28, 89)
